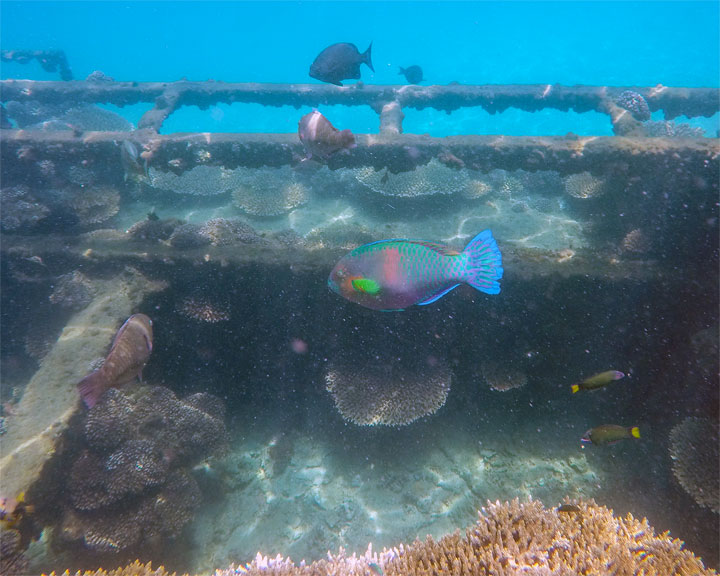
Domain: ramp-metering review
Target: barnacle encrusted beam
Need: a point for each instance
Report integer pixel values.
(399, 152)
(50, 60)
(494, 98)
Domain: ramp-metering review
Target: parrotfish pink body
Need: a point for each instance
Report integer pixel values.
(395, 274)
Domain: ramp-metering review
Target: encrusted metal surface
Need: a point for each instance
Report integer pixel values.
(180, 152)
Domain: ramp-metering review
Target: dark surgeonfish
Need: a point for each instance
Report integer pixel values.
(340, 62)
(321, 138)
(610, 434)
(130, 352)
(413, 74)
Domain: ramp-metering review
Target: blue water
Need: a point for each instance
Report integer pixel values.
(596, 43)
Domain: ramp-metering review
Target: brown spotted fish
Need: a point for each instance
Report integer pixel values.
(321, 138)
(130, 352)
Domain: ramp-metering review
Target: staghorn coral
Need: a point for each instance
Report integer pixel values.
(12, 557)
(584, 185)
(187, 236)
(203, 311)
(224, 231)
(19, 211)
(130, 483)
(200, 181)
(94, 204)
(509, 539)
(432, 178)
(636, 242)
(387, 395)
(502, 379)
(268, 192)
(73, 291)
(695, 452)
(154, 230)
(635, 104)
(671, 129)
(514, 539)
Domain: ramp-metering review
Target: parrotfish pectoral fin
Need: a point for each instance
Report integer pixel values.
(437, 296)
(92, 387)
(484, 264)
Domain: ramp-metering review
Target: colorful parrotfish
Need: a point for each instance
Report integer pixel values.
(395, 274)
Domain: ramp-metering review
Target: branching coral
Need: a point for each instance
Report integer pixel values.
(695, 451)
(224, 231)
(502, 379)
(73, 291)
(432, 178)
(635, 104)
(130, 482)
(509, 539)
(636, 242)
(19, 210)
(387, 395)
(203, 311)
(94, 204)
(584, 185)
(268, 191)
(200, 181)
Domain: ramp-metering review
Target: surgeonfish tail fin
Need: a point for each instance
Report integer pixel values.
(484, 263)
(367, 57)
(575, 388)
(91, 388)
(635, 432)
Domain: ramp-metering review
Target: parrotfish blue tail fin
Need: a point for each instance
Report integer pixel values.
(366, 57)
(92, 387)
(484, 263)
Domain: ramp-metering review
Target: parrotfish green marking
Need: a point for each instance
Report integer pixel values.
(394, 274)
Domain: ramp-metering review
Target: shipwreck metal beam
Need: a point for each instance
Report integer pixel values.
(493, 98)
(22, 149)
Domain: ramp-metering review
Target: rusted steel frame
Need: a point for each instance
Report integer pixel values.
(493, 98)
(50, 60)
(180, 152)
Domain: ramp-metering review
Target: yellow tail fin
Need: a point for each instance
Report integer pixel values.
(575, 388)
(635, 432)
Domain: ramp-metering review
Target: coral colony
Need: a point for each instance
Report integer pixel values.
(218, 346)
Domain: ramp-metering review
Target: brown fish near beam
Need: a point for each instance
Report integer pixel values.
(128, 355)
(320, 138)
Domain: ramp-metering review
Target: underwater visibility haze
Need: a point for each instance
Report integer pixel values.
(359, 287)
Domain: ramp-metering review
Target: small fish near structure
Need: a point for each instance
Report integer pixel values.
(128, 355)
(413, 74)
(597, 381)
(339, 62)
(393, 274)
(320, 138)
(610, 434)
(569, 509)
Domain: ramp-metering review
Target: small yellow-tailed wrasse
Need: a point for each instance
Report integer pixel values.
(597, 381)
(610, 434)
